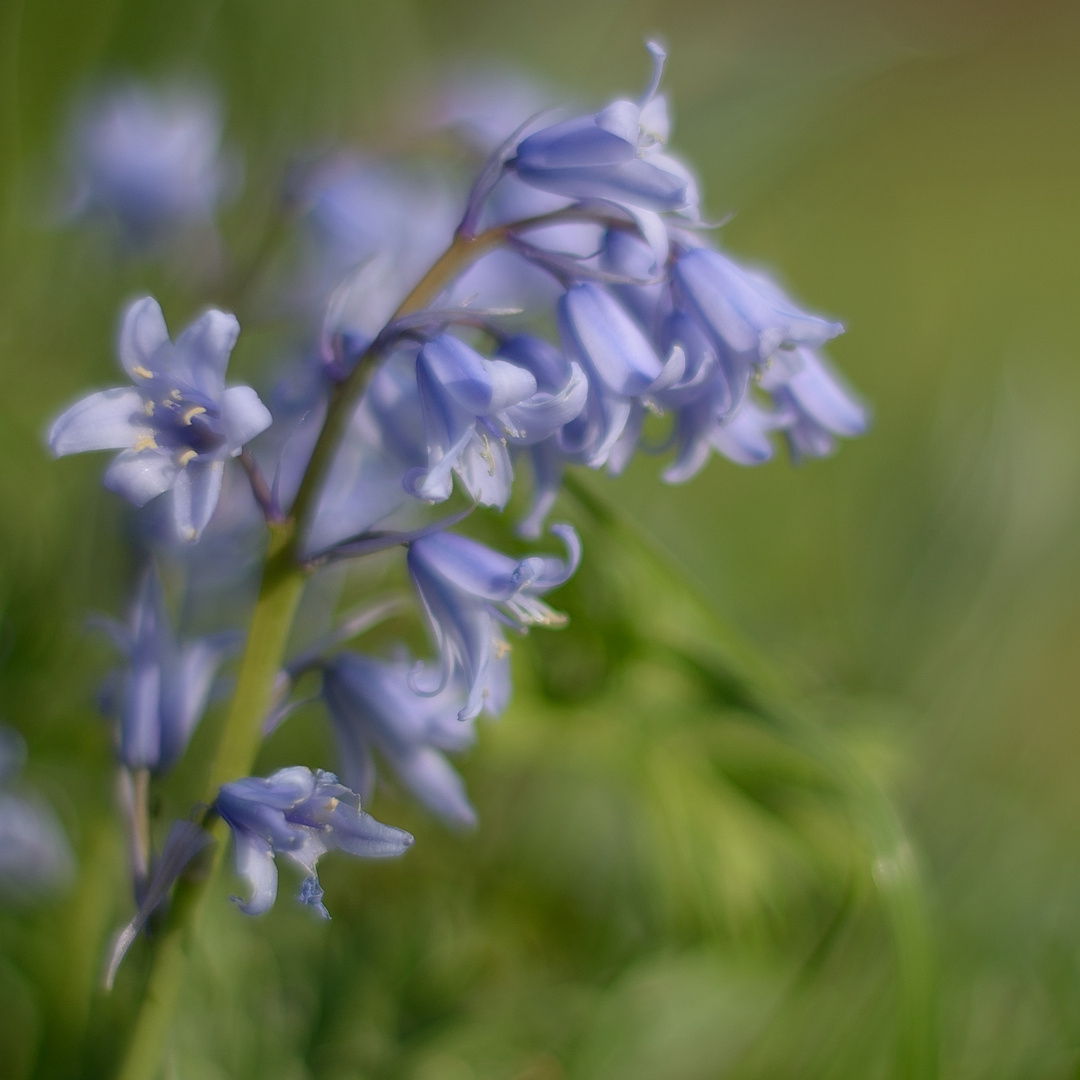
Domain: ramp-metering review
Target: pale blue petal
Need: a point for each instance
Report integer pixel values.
(434, 782)
(485, 470)
(255, 864)
(195, 496)
(450, 365)
(544, 413)
(595, 327)
(141, 476)
(202, 351)
(622, 119)
(243, 416)
(142, 334)
(744, 438)
(570, 144)
(108, 420)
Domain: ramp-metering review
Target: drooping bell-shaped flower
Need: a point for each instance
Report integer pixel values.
(561, 379)
(615, 154)
(301, 815)
(471, 407)
(159, 696)
(745, 315)
(469, 593)
(817, 405)
(375, 711)
(621, 364)
(177, 425)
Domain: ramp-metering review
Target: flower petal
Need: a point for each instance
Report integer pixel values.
(142, 334)
(140, 476)
(108, 420)
(243, 416)
(202, 352)
(255, 864)
(195, 497)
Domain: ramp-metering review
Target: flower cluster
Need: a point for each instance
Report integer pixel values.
(414, 394)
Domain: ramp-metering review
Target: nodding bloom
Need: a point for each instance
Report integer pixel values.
(375, 710)
(471, 406)
(623, 368)
(815, 403)
(177, 424)
(302, 815)
(469, 593)
(159, 696)
(150, 161)
(746, 317)
(615, 154)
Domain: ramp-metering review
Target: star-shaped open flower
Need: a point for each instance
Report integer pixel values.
(177, 424)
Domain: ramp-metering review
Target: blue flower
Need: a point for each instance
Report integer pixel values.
(615, 154)
(471, 407)
(159, 696)
(373, 707)
(177, 424)
(746, 317)
(623, 369)
(302, 815)
(469, 592)
(35, 856)
(150, 161)
(816, 404)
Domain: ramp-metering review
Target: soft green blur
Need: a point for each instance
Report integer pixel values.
(662, 886)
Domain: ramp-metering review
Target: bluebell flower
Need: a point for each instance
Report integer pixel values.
(161, 693)
(553, 373)
(469, 593)
(302, 815)
(621, 364)
(150, 161)
(374, 709)
(746, 317)
(615, 154)
(177, 424)
(35, 856)
(818, 407)
(471, 407)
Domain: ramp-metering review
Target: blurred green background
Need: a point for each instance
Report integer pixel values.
(662, 885)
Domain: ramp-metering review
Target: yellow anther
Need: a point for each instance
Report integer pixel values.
(145, 442)
(185, 457)
(502, 648)
(188, 414)
(142, 372)
(148, 407)
(175, 395)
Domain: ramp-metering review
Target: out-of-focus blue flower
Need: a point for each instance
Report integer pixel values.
(817, 405)
(159, 696)
(615, 154)
(747, 318)
(469, 592)
(302, 815)
(374, 708)
(35, 857)
(149, 160)
(374, 229)
(177, 424)
(471, 407)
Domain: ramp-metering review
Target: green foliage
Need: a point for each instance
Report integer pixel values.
(687, 866)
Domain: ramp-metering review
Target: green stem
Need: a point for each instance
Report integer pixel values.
(279, 594)
(238, 744)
